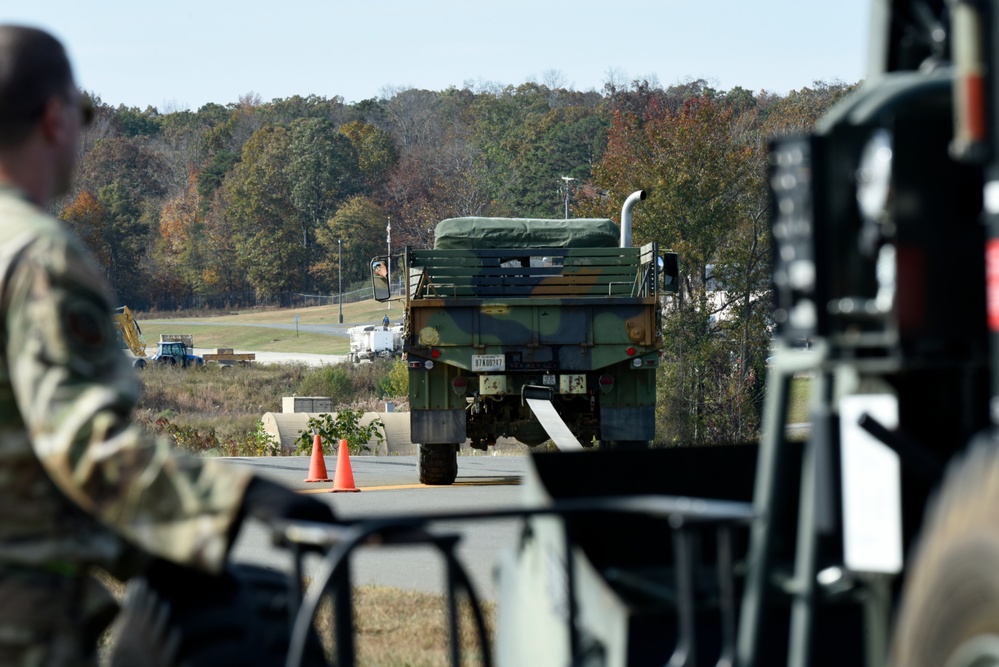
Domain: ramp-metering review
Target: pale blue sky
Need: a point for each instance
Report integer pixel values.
(185, 53)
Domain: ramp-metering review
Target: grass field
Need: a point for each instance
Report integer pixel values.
(245, 337)
(238, 331)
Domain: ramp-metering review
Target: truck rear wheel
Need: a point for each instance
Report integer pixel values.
(949, 612)
(438, 463)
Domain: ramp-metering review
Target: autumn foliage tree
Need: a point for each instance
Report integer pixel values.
(127, 177)
(321, 173)
(86, 216)
(375, 150)
(699, 171)
(259, 211)
(180, 250)
(357, 229)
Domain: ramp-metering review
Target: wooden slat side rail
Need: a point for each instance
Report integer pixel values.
(548, 272)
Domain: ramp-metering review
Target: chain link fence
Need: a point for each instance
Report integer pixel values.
(250, 299)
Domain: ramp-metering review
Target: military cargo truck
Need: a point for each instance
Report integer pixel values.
(502, 311)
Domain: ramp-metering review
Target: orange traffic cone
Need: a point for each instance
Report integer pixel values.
(343, 480)
(317, 466)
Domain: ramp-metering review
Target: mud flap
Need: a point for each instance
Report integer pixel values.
(437, 426)
(629, 423)
(539, 399)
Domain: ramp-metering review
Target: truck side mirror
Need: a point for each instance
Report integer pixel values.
(670, 268)
(379, 279)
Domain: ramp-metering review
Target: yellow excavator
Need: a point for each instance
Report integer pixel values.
(130, 335)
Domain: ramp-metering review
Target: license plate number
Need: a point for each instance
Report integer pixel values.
(488, 362)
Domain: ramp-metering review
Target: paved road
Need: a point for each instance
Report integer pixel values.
(388, 489)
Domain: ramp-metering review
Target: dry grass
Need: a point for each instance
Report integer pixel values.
(218, 407)
(393, 628)
(219, 391)
(215, 399)
(408, 628)
(797, 411)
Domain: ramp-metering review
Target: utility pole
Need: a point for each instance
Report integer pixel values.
(388, 260)
(339, 270)
(568, 185)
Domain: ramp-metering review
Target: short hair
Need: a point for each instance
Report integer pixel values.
(34, 68)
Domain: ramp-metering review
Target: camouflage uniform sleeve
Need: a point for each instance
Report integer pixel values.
(75, 391)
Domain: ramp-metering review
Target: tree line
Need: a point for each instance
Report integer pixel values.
(262, 199)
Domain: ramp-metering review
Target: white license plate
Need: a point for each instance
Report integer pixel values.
(488, 362)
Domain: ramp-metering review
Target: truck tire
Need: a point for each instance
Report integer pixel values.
(189, 618)
(949, 609)
(438, 463)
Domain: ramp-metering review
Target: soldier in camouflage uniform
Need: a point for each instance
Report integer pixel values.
(80, 484)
